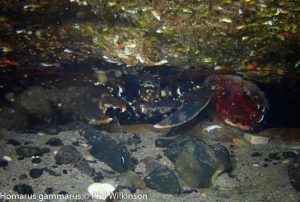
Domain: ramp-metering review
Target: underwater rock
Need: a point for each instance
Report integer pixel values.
(23, 189)
(130, 180)
(35, 100)
(197, 163)
(294, 173)
(255, 139)
(84, 130)
(112, 153)
(67, 154)
(36, 172)
(27, 151)
(104, 148)
(84, 167)
(54, 142)
(49, 190)
(52, 130)
(3, 163)
(13, 118)
(164, 180)
(36, 160)
(13, 142)
(98, 177)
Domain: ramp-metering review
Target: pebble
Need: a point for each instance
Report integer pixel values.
(67, 154)
(23, 189)
(27, 151)
(54, 142)
(98, 177)
(163, 180)
(100, 190)
(52, 130)
(13, 142)
(130, 180)
(7, 158)
(3, 163)
(36, 160)
(36, 172)
(62, 193)
(255, 139)
(256, 154)
(49, 190)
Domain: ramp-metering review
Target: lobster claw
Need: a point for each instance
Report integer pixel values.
(194, 102)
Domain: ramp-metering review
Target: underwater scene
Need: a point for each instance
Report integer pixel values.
(107, 100)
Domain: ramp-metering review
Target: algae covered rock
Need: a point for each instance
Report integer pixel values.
(164, 180)
(113, 153)
(197, 163)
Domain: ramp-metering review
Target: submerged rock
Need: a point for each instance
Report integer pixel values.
(197, 163)
(67, 154)
(35, 100)
(36, 172)
(112, 153)
(130, 180)
(84, 167)
(23, 189)
(104, 148)
(54, 142)
(164, 180)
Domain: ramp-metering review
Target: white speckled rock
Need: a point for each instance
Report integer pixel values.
(100, 190)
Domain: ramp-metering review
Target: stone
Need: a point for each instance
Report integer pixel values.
(13, 142)
(36, 172)
(112, 153)
(130, 180)
(104, 148)
(3, 163)
(98, 177)
(49, 190)
(23, 189)
(67, 154)
(84, 167)
(54, 142)
(255, 139)
(163, 180)
(35, 100)
(36, 160)
(205, 162)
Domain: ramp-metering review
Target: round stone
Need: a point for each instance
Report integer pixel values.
(36, 172)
